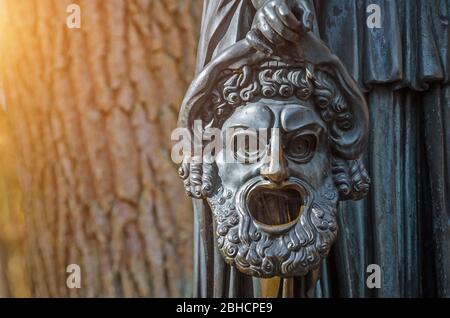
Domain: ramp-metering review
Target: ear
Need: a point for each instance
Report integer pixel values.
(349, 141)
(197, 176)
(351, 179)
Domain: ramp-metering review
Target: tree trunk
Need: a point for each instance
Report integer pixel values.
(91, 110)
(4, 283)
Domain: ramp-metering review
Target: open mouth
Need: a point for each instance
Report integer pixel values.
(275, 206)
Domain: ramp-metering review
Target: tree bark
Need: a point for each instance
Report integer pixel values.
(4, 283)
(91, 111)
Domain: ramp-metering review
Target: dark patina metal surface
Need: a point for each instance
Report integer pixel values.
(404, 225)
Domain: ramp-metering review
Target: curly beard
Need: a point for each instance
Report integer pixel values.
(288, 250)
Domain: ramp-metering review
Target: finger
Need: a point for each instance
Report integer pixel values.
(275, 22)
(197, 191)
(288, 18)
(306, 15)
(187, 187)
(268, 31)
(258, 41)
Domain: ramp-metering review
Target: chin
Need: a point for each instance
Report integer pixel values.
(267, 229)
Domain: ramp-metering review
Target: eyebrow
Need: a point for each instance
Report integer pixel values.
(311, 126)
(305, 120)
(239, 126)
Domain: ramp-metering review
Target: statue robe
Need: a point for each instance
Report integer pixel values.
(404, 223)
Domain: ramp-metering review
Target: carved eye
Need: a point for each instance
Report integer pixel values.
(300, 148)
(247, 147)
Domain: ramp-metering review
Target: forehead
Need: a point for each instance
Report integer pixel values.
(289, 114)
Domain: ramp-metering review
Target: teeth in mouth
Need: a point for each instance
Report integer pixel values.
(275, 206)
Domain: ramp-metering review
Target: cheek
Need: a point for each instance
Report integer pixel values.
(234, 174)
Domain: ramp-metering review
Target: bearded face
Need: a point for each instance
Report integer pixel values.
(275, 206)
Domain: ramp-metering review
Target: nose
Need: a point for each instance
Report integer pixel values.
(275, 169)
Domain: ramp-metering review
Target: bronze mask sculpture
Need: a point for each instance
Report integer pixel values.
(274, 207)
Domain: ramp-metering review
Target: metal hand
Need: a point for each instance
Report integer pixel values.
(283, 20)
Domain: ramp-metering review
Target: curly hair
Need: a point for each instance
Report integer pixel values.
(268, 81)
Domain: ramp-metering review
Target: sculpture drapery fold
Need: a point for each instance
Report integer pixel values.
(404, 68)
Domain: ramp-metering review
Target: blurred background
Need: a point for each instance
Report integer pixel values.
(85, 171)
